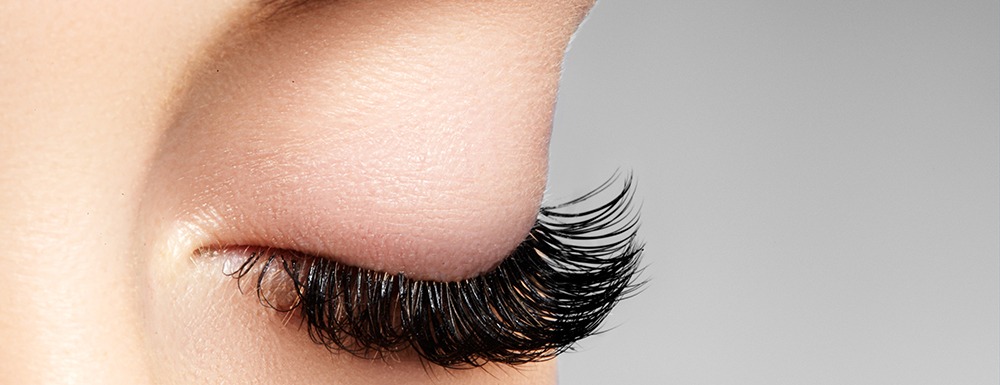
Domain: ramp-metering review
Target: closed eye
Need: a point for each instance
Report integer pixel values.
(554, 289)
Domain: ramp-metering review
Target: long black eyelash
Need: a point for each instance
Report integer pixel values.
(553, 290)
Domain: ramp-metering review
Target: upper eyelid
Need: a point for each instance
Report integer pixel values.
(290, 158)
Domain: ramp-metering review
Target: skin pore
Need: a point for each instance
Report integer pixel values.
(398, 136)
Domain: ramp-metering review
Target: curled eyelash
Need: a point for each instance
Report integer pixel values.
(555, 289)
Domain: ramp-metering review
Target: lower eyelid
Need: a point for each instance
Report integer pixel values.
(553, 290)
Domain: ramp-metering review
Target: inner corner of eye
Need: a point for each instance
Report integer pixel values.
(238, 261)
(272, 274)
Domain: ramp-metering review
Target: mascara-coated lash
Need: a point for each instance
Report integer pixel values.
(553, 290)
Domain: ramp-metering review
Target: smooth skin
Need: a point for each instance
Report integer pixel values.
(396, 135)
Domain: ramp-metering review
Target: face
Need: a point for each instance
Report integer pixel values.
(150, 151)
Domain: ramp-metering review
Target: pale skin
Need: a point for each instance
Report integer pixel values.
(397, 135)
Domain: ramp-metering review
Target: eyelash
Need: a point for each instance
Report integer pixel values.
(553, 290)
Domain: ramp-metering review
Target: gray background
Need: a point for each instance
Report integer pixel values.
(820, 188)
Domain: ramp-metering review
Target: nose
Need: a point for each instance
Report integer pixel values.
(70, 314)
(77, 118)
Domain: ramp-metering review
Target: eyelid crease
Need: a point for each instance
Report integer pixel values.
(555, 289)
(273, 9)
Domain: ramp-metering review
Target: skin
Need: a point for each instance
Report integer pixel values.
(400, 136)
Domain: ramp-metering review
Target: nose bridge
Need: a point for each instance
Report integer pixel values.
(70, 313)
(84, 88)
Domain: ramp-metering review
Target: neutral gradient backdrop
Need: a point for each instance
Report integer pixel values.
(820, 188)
